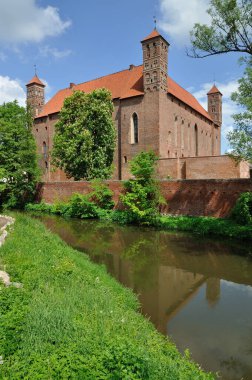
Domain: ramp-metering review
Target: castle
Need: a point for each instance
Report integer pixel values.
(151, 111)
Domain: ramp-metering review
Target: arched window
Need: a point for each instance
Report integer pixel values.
(148, 51)
(44, 150)
(182, 134)
(134, 129)
(196, 140)
(176, 131)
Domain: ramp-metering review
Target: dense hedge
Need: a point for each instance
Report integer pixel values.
(71, 320)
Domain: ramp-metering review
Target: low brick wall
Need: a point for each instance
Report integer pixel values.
(184, 197)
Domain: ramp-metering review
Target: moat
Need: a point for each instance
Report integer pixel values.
(197, 291)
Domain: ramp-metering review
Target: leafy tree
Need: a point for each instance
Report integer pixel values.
(241, 138)
(230, 29)
(84, 139)
(18, 161)
(142, 195)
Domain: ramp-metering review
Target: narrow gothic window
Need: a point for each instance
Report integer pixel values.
(44, 150)
(176, 131)
(148, 51)
(134, 129)
(196, 140)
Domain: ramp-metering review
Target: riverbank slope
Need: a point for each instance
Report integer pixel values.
(71, 320)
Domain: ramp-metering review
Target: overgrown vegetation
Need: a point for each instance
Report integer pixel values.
(139, 204)
(18, 161)
(84, 139)
(242, 212)
(93, 205)
(141, 196)
(71, 320)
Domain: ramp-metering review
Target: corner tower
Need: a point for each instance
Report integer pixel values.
(35, 95)
(214, 97)
(155, 62)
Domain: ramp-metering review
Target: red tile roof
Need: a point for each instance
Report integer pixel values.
(124, 84)
(214, 90)
(153, 34)
(35, 80)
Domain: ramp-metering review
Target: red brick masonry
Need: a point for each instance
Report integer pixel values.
(184, 197)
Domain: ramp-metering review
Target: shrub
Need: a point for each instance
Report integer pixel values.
(142, 195)
(101, 195)
(242, 211)
(81, 207)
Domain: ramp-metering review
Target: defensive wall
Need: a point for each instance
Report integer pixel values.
(208, 197)
(214, 167)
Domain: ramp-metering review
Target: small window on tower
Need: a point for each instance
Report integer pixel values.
(148, 51)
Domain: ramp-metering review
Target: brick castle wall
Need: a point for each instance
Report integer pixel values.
(184, 197)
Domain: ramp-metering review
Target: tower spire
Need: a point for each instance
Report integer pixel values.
(35, 70)
(155, 22)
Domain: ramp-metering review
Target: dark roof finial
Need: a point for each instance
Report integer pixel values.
(155, 22)
(35, 70)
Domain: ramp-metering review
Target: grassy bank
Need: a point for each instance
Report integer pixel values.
(71, 320)
(206, 226)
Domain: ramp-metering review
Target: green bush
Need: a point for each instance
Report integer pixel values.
(39, 207)
(101, 195)
(242, 211)
(81, 207)
(142, 196)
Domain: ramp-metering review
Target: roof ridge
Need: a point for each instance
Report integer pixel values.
(103, 76)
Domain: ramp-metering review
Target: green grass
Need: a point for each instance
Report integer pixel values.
(206, 226)
(71, 320)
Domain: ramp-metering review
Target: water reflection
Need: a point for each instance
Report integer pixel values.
(197, 291)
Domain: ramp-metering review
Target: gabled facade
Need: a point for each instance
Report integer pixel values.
(151, 111)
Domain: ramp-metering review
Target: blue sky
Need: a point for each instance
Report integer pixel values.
(79, 40)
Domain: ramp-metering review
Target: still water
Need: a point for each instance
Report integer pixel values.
(197, 291)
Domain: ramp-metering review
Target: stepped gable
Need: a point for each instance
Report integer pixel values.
(123, 84)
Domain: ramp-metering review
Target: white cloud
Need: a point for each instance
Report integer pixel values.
(11, 89)
(228, 107)
(179, 16)
(26, 21)
(47, 51)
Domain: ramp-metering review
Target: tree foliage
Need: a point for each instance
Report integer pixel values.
(230, 29)
(18, 161)
(241, 138)
(242, 211)
(84, 139)
(142, 196)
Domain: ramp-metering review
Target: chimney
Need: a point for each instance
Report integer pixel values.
(131, 67)
(71, 85)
